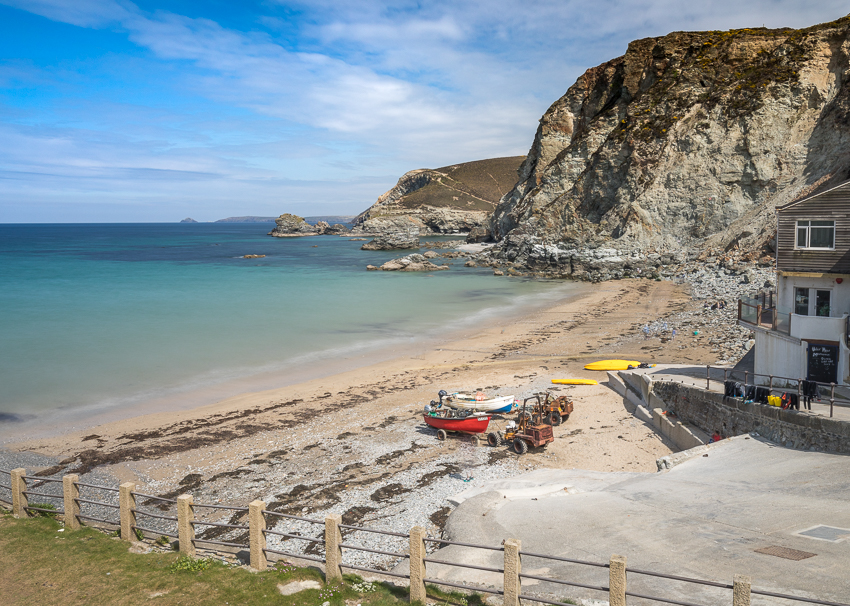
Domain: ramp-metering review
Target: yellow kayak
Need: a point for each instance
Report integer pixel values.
(612, 365)
(575, 382)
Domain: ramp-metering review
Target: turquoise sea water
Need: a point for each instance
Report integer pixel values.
(98, 317)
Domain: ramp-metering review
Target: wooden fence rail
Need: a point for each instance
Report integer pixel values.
(257, 528)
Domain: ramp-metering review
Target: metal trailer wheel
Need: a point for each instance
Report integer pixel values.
(494, 439)
(555, 418)
(520, 447)
(441, 434)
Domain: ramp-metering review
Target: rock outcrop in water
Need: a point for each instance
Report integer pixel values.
(288, 226)
(682, 147)
(337, 229)
(449, 200)
(414, 262)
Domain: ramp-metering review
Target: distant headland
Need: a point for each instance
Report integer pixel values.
(251, 219)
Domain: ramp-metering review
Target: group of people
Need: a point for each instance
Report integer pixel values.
(762, 395)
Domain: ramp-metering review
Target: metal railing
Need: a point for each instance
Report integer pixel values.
(213, 525)
(136, 512)
(37, 483)
(394, 554)
(95, 503)
(266, 532)
(762, 311)
(729, 375)
(334, 545)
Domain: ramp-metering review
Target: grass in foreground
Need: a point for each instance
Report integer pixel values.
(41, 565)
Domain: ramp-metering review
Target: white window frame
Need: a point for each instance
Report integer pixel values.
(813, 301)
(812, 306)
(808, 229)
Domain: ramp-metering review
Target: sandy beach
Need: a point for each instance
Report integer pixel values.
(355, 443)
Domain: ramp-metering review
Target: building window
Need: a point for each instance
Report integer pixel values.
(816, 234)
(801, 301)
(822, 302)
(821, 299)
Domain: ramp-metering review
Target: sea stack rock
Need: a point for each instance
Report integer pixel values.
(188, 220)
(291, 226)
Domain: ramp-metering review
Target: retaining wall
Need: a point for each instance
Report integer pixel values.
(713, 412)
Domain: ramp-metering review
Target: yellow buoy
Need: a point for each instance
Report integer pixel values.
(575, 382)
(612, 365)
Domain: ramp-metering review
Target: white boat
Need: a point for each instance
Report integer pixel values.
(479, 402)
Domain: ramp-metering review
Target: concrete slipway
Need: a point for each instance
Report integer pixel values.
(703, 518)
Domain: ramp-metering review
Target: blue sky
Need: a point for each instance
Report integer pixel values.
(116, 111)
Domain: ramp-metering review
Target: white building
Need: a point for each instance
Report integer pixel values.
(801, 330)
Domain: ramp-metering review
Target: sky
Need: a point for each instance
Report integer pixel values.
(115, 111)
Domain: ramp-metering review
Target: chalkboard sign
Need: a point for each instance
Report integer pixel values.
(823, 363)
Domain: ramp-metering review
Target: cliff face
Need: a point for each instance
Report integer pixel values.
(452, 199)
(684, 144)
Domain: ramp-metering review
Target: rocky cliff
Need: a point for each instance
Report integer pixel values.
(452, 199)
(683, 146)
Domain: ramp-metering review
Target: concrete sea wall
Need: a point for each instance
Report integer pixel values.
(713, 412)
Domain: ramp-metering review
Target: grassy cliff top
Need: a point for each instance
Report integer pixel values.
(474, 185)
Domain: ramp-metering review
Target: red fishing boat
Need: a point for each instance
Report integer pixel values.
(472, 423)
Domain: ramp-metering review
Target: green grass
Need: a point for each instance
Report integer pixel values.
(42, 563)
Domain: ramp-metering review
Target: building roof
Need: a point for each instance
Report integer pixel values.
(825, 187)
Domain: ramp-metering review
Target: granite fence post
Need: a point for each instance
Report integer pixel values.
(70, 494)
(333, 551)
(617, 581)
(19, 499)
(256, 531)
(513, 567)
(127, 507)
(741, 590)
(417, 564)
(185, 524)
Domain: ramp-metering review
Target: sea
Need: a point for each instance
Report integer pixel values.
(105, 321)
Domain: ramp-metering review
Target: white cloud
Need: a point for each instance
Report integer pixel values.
(85, 13)
(345, 90)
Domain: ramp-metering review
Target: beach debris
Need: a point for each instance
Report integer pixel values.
(253, 256)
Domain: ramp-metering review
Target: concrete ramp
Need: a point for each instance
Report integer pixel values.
(704, 518)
